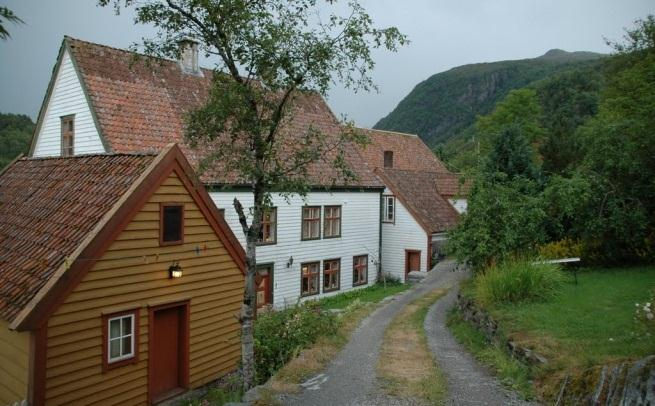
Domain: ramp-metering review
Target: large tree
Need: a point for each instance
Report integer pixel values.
(8, 16)
(268, 55)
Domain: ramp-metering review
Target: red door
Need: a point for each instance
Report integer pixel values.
(168, 351)
(264, 293)
(412, 261)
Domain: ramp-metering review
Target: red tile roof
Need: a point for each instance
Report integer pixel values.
(141, 108)
(409, 153)
(417, 191)
(48, 206)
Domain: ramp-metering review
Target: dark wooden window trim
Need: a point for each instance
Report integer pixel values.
(316, 274)
(162, 206)
(65, 133)
(385, 217)
(327, 220)
(106, 365)
(330, 272)
(303, 220)
(185, 344)
(274, 227)
(357, 267)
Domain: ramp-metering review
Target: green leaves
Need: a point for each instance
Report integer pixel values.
(9, 16)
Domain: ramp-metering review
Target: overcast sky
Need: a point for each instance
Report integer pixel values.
(444, 34)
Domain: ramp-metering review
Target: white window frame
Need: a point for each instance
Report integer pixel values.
(120, 338)
(385, 213)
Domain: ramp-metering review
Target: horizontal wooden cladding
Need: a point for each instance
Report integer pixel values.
(133, 273)
(14, 362)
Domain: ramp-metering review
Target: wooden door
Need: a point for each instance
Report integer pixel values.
(168, 351)
(412, 261)
(264, 293)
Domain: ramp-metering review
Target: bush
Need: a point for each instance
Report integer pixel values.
(565, 248)
(280, 335)
(515, 281)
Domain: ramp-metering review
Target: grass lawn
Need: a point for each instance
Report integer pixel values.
(589, 323)
(371, 294)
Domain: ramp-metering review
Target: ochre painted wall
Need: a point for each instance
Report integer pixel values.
(133, 273)
(14, 364)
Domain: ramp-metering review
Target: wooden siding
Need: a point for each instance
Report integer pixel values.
(66, 98)
(360, 235)
(404, 234)
(14, 364)
(133, 273)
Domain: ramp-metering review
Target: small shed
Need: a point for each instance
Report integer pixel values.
(119, 281)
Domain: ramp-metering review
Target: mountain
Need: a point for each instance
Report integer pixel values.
(447, 103)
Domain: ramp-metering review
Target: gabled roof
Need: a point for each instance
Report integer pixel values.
(56, 213)
(417, 191)
(411, 154)
(140, 107)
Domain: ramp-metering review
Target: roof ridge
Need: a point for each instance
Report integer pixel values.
(79, 156)
(389, 132)
(127, 51)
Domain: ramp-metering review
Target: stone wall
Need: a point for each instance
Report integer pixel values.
(621, 384)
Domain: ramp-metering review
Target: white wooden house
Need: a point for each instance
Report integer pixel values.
(100, 101)
(418, 200)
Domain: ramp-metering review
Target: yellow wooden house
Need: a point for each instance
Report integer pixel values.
(119, 281)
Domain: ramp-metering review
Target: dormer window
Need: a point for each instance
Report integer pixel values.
(67, 135)
(388, 159)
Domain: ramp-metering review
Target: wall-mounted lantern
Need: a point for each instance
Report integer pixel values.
(290, 262)
(175, 271)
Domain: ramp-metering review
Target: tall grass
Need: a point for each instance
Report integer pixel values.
(515, 281)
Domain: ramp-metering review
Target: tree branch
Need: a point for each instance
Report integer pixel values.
(242, 216)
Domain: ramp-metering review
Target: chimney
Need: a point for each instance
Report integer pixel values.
(189, 56)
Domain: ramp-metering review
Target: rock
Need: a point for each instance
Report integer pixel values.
(416, 276)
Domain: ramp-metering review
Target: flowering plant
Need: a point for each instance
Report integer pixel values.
(645, 314)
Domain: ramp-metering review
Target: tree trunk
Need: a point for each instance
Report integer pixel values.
(248, 315)
(249, 305)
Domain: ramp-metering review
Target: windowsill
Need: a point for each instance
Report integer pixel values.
(389, 222)
(361, 283)
(332, 237)
(121, 363)
(310, 239)
(263, 244)
(168, 243)
(309, 294)
(331, 290)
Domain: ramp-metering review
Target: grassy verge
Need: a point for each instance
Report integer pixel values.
(356, 306)
(405, 365)
(371, 294)
(511, 372)
(585, 325)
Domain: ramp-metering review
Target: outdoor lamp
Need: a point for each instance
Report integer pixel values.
(175, 271)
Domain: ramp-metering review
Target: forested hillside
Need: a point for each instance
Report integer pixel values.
(447, 103)
(15, 136)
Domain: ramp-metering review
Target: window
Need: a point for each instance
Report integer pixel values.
(389, 215)
(309, 279)
(67, 135)
(120, 339)
(388, 159)
(311, 223)
(171, 224)
(331, 275)
(268, 233)
(360, 270)
(332, 222)
(263, 281)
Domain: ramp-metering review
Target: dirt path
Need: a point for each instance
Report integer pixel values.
(468, 382)
(351, 377)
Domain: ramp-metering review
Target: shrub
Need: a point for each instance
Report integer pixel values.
(565, 248)
(515, 281)
(280, 335)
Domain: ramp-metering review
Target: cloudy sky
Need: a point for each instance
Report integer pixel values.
(444, 34)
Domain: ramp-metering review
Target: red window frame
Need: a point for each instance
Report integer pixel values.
(331, 275)
(106, 364)
(360, 268)
(310, 271)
